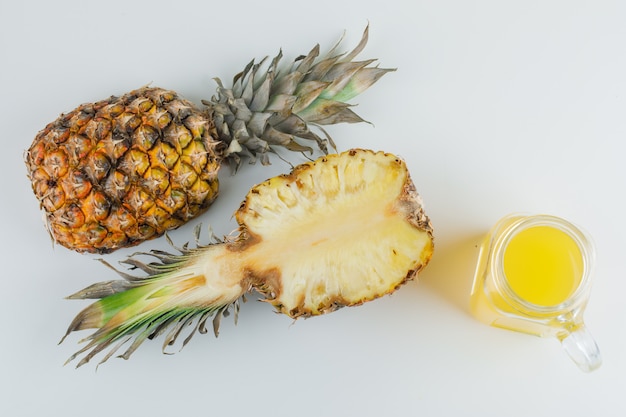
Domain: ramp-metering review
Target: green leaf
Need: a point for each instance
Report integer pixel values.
(360, 82)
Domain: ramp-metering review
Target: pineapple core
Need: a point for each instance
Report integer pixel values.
(339, 231)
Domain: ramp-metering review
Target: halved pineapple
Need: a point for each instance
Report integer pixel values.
(336, 232)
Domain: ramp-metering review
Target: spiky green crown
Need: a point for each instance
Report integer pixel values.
(272, 107)
(136, 308)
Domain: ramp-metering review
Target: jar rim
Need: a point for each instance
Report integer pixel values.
(518, 223)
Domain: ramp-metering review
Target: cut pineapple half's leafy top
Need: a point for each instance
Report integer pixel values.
(339, 231)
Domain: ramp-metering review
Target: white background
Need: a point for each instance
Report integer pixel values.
(497, 107)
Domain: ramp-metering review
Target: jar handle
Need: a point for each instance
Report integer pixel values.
(582, 348)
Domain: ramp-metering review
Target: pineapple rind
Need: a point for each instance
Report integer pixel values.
(114, 173)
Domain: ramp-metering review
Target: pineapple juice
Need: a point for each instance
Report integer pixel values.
(533, 276)
(543, 265)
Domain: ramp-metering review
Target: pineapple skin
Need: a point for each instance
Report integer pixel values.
(114, 173)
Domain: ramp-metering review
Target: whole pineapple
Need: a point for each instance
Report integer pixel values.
(340, 231)
(114, 173)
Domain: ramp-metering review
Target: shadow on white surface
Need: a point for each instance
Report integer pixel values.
(451, 271)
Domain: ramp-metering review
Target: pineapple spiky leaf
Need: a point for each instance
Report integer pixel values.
(275, 107)
(339, 231)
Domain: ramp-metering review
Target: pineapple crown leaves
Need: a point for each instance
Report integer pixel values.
(272, 107)
(116, 313)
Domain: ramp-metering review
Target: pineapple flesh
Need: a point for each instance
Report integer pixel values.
(114, 173)
(339, 231)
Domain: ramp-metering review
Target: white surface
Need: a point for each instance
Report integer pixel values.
(497, 107)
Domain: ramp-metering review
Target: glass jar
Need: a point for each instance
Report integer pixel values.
(534, 276)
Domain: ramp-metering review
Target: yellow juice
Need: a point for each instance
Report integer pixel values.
(543, 265)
